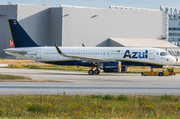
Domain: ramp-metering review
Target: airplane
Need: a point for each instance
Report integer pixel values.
(109, 59)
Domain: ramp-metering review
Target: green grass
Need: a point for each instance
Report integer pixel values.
(167, 97)
(51, 67)
(122, 98)
(5, 76)
(16, 78)
(107, 97)
(94, 106)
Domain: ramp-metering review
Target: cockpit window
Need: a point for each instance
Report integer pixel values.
(168, 53)
(163, 54)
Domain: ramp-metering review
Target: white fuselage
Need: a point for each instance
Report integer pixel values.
(141, 55)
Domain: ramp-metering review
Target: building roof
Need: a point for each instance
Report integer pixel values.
(136, 42)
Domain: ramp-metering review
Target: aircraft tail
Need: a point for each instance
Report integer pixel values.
(19, 36)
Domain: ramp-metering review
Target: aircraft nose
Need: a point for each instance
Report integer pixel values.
(173, 60)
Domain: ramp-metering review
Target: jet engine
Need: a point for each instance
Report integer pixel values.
(112, 66)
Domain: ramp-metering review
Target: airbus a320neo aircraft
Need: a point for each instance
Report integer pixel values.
(109, 59)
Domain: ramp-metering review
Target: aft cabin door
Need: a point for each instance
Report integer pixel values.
(151, 55)
(38, 53)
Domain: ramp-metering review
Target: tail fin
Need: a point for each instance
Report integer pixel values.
(19, 36)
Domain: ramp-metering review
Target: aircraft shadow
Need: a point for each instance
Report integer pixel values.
(102, 74)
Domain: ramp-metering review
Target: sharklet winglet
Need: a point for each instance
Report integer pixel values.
(83, 45)
(58, 50)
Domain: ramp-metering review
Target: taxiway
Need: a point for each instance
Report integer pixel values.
(83, 84)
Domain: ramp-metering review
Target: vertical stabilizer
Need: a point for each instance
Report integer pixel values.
(19, 36)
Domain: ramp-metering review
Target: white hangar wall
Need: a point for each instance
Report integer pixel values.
(94, 26)
(35, 20)
(6, 12)
(55, 26)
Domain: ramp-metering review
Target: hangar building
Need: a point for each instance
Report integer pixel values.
(174, 24)
(72, 25)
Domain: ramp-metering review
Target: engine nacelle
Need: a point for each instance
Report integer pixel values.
(112, 66)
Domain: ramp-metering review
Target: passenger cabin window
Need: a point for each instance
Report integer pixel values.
(163, 54)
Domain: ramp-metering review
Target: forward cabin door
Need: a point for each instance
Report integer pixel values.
(38, 53)
(151, 55)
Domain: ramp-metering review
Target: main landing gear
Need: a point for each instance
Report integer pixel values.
(92, 72)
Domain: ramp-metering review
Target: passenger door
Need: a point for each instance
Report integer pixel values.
(38, 53)
(151, 55)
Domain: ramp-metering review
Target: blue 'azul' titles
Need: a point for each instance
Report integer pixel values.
(140, 55)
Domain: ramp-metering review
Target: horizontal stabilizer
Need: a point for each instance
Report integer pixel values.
(15, 51)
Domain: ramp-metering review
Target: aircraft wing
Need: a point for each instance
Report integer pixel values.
(88, 59)
(15, 51)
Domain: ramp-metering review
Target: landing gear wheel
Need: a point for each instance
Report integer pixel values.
(160, 74)
(90, 72)
(142, 74)
(96, 72)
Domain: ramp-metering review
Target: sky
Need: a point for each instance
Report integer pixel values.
(149, 4)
